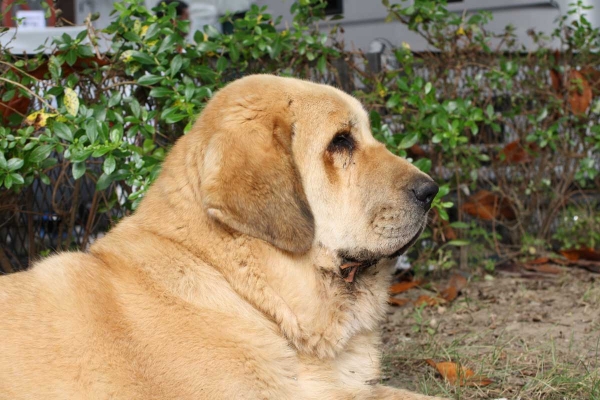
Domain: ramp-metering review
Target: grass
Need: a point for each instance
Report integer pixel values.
(495, 337)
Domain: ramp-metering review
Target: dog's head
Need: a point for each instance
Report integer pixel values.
(294, 163)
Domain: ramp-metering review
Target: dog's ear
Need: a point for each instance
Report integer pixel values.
(250, 183)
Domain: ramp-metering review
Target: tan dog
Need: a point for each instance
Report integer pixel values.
(255, 268)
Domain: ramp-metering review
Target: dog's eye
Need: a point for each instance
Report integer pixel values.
(341, 142)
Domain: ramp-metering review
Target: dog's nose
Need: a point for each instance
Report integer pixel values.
(424, 190)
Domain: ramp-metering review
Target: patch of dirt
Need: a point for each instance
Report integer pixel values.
(536, 337)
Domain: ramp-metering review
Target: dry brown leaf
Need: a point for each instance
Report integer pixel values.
(449, 294)
(456, 284)
(588, 259)
(458, 375)
(515, 153)
(445, 232)
(18, 104)
(417, 151)
(556, 80)
(540, 260)
(581, 254)
(428, 301)
(458, 281)
(580, 92)
(403, 286)
(449, 232)
(593, 77)
(544, 268)
(488, 206)
(398, 302)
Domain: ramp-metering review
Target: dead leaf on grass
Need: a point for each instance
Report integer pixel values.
(581, 254)
(539, 260)
(458, 281)
(428, 300)
(449, 294)
(543, 265)
(401, 287)
(398, 302)
(458, 375)
(456, 284)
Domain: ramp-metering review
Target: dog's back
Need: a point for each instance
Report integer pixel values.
(76, 327)
(50, 321)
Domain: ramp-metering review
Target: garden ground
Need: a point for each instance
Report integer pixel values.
(537, 336)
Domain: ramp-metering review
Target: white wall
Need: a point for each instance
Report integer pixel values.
(364, 20)
(85, 7)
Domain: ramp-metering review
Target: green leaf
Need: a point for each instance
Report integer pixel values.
(148, 145)
(161, 92)
(458, 243)
(8, 95)
(409, 140)
(428, 87)
(101, 151)
(148, 80)
(103, 182)
(490, 111)
(135, 108)
(115, 135)
(54, 65)
(91, 130)
(14, 164)
(173, 116)
(444, 190)
(78, 169)
(424, 164)
(176, 64)
(8, 181)
(40, 153)
(234, 53)
(459, 225)
(63, 131)
(109, 165)
(114, 99)
(143, 58)
(322, 64)
(17, 178)
(85, 50)
(211, 31)
(167, 43)
(189, 92)
(222, 63)
(71, 57)
(81, 35)
(393, 101)
(443, 214)
(44, 178)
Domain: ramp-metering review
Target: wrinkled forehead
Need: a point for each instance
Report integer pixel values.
(330, 111)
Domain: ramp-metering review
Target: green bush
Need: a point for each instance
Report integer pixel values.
(511, 136)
